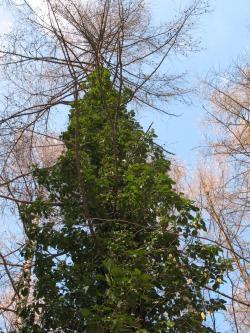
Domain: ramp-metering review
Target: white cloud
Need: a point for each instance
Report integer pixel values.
(6, 21)
(7, 17)
(33, 3)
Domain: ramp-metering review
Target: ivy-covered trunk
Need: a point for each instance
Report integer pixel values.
(117, 248)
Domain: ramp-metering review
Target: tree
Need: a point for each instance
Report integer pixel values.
(116, 249)
(14, 271)
(44, 62)
(223, 181)
(228, 226)
(48, 55)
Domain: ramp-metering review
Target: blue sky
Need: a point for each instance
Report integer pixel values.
(224, 35)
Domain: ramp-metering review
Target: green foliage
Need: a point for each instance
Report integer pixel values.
(116, 247)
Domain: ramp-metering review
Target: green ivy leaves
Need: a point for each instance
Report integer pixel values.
(116, 248)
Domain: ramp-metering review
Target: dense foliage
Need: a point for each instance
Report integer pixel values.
(115, 246)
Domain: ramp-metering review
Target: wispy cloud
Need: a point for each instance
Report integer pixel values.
(7, 17)
(6, 22)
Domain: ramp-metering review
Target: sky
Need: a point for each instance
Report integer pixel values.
(225, 36)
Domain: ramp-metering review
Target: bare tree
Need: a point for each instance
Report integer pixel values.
(223, 179)
(18, 186)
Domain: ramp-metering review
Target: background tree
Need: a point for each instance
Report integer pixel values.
(223, 181)
(14, 270)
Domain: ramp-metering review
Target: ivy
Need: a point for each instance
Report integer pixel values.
(116, 248)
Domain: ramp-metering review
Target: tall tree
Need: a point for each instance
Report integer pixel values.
(44, 62)
(223, 181)
(116, 249)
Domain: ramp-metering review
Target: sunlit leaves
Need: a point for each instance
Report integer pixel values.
(117, 250)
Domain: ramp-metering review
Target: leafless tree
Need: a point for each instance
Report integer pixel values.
(18, 186)
(223, 179)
